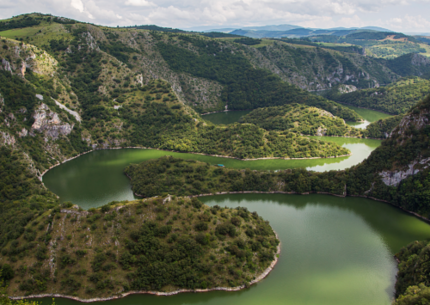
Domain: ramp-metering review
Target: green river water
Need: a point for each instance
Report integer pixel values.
(335, 251)
(230, 117)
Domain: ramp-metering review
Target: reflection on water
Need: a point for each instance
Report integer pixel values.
(368, 114)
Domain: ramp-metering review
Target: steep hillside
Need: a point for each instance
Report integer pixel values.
(316, 68)
(396, 98)
(398, 170)
(300, 119)
(382, 128)
(410, 65)
(143, 55)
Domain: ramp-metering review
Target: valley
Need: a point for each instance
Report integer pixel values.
(84, 108)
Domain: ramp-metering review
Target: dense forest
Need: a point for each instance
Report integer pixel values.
(189, 177)
(245, 87)
(382, 128)
(396, 98)
(300, 119)
(413, 277)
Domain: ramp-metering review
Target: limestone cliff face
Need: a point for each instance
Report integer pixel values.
(25, 56)
(415, 120)
(315, 69)
(49, 123)
(393, 178)
(347, 89)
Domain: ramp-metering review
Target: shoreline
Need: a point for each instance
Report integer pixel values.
(258, 279)
(181, 152)
(344, 195)
(367, 109)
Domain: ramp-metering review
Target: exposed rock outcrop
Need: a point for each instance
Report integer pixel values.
(74, 113)
(23, 133)
(6, 139)
(347, 89)
(48, 122)
(6, 65)
(393, 178)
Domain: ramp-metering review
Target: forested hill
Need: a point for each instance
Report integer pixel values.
(301, 119)
(396, 98)
(216, 77)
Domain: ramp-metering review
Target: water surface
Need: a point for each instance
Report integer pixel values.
(368, 115)
(97, 178)
(335, 251)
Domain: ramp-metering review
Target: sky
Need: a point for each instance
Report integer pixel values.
(397, 15)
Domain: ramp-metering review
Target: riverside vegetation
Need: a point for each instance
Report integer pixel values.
(127, 87)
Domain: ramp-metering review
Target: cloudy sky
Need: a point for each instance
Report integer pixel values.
(398, 15)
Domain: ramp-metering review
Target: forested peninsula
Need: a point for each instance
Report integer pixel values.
(302, 120)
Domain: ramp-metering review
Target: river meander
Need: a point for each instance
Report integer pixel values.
(335, 251)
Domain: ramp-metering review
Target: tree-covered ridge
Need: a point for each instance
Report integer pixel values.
(22, 196)
(300, 119)
(189, 177)
(413, 272)
(396, 98)
(382, 128)
(147, 116)
(245, 87)
(318, 68)
(410, 65)
(159, 244)
(167, 125)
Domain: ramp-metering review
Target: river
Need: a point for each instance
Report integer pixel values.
(97, 178)
(230, 117)
(335, 251)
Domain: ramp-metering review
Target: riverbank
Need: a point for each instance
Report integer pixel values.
(259, 278)
(367, 108)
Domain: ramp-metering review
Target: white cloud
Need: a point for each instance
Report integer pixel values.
(401, 15)
(418, 23)
(77, 4)
(139, 3)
